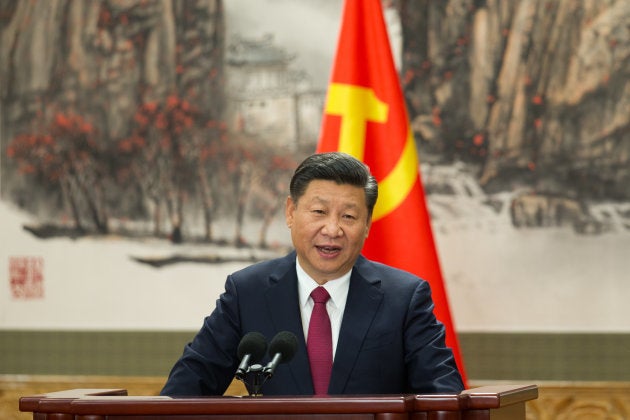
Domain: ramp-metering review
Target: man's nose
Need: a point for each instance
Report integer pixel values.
(332, 227)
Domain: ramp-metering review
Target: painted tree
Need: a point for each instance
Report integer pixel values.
(67, 154)
(160, 154)
(271, 186)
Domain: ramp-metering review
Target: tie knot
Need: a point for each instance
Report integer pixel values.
(320, 295)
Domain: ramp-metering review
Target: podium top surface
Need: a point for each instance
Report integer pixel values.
(115, 402)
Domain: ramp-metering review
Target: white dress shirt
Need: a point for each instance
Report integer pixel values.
(338, 291)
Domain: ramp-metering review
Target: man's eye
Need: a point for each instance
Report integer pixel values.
(349, 216)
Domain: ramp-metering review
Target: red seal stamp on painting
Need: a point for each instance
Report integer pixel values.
(26, 276)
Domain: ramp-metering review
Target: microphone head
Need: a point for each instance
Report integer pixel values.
(285, 343)
(254, 344)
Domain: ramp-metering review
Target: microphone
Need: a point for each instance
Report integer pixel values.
(250, 350)
(282, 349)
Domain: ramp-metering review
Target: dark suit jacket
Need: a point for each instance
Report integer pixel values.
(389, 342)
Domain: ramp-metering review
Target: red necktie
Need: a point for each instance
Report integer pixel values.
(319, 342)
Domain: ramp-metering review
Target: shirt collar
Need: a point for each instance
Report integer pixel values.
(336, 288)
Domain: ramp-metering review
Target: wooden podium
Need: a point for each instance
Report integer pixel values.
(488, 402)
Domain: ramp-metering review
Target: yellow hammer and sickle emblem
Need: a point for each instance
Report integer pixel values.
(356, 105)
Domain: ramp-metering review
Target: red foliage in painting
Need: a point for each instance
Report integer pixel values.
(104, 18)
(478, 139)
(131, 144)
(408, 77)
(160, 124)
(462, 41)
(436, 117)
(282, 163)
(67, 141)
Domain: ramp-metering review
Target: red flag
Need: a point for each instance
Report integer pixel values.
(365, 116)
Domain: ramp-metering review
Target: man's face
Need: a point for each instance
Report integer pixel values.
(329, 225)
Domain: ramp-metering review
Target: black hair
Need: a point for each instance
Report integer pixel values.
(339, 167)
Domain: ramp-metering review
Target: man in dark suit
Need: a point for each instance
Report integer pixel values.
(385, 337)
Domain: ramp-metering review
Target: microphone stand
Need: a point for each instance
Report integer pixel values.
(254, 380)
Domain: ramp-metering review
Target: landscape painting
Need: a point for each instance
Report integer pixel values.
(147, 145)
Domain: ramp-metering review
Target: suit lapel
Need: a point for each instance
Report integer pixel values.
(283, 303)
(364, 299)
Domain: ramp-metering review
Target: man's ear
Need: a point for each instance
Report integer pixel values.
(289, 208)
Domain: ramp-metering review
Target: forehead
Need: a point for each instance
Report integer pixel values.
(331, 192)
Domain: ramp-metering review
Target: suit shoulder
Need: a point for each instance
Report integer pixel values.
(388, 276)
(262, 270)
